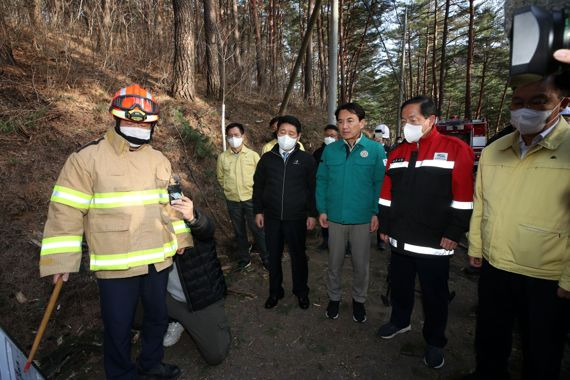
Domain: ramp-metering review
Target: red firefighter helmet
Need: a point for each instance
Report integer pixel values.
(136, 104)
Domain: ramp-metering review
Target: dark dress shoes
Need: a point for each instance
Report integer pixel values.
(273, 300)
(160, 371)
(304, 302)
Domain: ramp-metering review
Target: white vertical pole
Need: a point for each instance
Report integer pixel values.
(224, 125)
(333, 62)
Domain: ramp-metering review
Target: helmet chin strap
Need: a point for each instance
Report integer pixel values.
(131, 139)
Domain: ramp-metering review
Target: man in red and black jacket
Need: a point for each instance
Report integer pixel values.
(425, 206)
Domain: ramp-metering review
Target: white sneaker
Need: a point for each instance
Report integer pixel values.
(173, 334)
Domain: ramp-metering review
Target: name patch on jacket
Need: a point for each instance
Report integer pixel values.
(440, 156)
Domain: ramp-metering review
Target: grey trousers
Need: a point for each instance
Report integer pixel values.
(359, 237)
(208, 328)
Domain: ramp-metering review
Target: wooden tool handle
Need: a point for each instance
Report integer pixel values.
(45, 319)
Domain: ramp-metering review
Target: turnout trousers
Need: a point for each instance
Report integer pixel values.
(119, 298)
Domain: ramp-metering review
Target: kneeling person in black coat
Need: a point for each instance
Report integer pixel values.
(284, 204)
(196, 290)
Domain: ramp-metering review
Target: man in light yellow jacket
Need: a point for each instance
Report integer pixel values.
(519, 235)
(235, 170)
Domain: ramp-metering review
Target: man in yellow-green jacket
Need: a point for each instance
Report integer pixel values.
(519, 235)
(235, 170)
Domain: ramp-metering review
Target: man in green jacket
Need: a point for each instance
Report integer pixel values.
(348, 186)
(519, 236)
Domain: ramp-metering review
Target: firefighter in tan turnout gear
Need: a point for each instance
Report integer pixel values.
(113, 191)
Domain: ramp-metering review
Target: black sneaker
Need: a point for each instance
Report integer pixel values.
(358, 312)
(244, 266)
(332, 310)
(390, 330)
(434, 357)
(160, 371)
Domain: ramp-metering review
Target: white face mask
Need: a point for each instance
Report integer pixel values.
(235, 142)
(529, 121)
(329, 140)
(412, 133)
(286, 143)
(136, 132)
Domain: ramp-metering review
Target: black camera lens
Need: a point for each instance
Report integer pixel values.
(535, 35)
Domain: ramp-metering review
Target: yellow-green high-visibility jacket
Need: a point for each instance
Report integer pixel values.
(235, 173)
(118, 199)
(521, 214)
(267, 147)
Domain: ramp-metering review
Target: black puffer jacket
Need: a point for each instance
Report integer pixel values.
(285, 190)
(198, 267)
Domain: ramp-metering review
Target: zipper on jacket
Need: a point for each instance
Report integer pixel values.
(284, 173)
(283, 189)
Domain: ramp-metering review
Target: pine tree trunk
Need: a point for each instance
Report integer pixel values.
(237, 40)
(6, 55)
(425, 65)
(35, 12)
(259, 61)
(434, 55)
(482, 86)
(342, 52)
(442, 60)
(105, 37)
(183, 73)
(270, 50)
(322, 58)
(309, 60)
(500, 109)
(211, 33)
(410, 71)
(470, 44)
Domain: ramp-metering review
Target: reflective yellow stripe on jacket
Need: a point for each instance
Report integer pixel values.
(132, 259)
(77, 199)
(70, 197)
(180, 227)
(61, 244)
(129, 198)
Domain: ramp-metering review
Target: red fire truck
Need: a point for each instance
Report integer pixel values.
(473, 132)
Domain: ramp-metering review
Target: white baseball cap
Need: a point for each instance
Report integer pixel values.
(382, 129)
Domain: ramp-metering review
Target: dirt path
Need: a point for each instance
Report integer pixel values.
(290, 343)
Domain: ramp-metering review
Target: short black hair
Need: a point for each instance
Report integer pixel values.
(235, 125)
(562, 83)
(427, 106)
(331, 127)
(353, 108)
(274, 120)
(288, 119)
